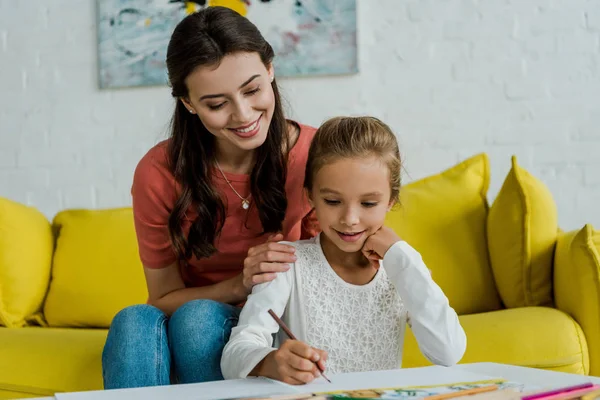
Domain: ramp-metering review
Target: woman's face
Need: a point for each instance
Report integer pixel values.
(234, 100)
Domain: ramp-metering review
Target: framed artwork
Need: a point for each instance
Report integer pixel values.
(309, 37)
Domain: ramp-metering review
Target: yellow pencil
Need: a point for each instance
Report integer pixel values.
(466, 392)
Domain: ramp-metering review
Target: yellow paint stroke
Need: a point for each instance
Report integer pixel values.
(236, 5)
(147, 21)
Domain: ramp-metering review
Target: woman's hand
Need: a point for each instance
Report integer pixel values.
(378, 244)
(264, 262)
(293, 363)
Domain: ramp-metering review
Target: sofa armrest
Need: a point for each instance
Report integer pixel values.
(577, 285)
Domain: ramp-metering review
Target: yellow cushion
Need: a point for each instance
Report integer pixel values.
(43, 361)
(9, 394)
(517, 336)
(26, 245)
(443, 217)
(577, 284)
(522, 228)
(96, 270)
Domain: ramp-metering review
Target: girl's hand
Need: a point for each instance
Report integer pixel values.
(294, 363)
(264, 262)
(378, 244)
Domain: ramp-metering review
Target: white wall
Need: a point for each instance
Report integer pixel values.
(452, 77)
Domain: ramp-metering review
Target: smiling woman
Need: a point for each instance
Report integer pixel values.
(210, 204)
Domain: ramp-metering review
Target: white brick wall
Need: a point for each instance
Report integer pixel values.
(452, 77)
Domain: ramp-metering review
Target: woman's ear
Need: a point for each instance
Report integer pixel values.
(271, 72)
(188, 105)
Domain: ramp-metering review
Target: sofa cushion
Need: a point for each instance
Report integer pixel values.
(518, 336)
(443, 217)
(577, 284)
(43, 361)
(522, 228)
(26, 245)
(96, 269)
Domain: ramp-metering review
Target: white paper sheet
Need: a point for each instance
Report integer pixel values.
(197, 391)
(265, 387)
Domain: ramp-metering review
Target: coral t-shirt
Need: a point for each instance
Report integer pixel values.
(154, 194)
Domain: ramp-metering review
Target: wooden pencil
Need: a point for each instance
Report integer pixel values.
(291, 336)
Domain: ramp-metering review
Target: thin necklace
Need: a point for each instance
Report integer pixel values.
(245, 201)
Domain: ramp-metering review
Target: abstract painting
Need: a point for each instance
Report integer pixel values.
(309, 37)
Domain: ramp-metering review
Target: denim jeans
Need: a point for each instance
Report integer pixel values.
(146, 348)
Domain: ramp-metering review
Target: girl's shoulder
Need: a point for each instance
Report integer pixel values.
(307, 251)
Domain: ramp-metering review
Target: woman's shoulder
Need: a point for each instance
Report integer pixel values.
(155, 157)
(306, 134)
(153, 169)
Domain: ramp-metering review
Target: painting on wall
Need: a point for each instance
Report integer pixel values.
(309, 37)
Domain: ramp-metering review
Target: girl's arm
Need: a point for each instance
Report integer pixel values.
(435, 324)
(252, 339)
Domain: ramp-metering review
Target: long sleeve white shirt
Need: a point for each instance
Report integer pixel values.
(360, 326)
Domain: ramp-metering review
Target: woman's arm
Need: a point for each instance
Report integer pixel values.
(167, 291)
(435, 324)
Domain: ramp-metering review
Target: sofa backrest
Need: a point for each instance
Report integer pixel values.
(444, 218)
(96, 270)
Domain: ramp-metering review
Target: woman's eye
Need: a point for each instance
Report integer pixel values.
(331, 202)
(216, 107)
(253, 91)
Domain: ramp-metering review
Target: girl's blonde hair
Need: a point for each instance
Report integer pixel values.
(354, 137)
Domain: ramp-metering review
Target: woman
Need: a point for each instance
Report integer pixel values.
(210, 204)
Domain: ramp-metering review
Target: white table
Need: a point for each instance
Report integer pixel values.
(400, 377)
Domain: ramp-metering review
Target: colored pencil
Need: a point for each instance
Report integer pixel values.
(291, 336)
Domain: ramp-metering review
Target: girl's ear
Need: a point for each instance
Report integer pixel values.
(392, 202)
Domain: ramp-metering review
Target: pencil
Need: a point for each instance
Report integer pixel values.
(567, 389)
(481, 389)
(291, 336)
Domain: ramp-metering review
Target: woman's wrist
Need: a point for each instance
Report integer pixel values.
(238, 289)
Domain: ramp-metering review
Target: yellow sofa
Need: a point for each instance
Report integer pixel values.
(527, 294)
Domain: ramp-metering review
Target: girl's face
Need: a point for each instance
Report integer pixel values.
(351, 197)
(234, 100)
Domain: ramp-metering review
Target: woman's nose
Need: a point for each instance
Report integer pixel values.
(243, 112)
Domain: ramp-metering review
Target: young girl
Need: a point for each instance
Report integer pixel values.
(342, 307)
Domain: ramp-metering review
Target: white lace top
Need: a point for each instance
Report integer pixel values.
(361, 327)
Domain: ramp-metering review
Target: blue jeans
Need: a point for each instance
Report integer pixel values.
(146, 348)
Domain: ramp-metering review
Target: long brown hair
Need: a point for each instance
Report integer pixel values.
(203, 39)
(353, 137)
